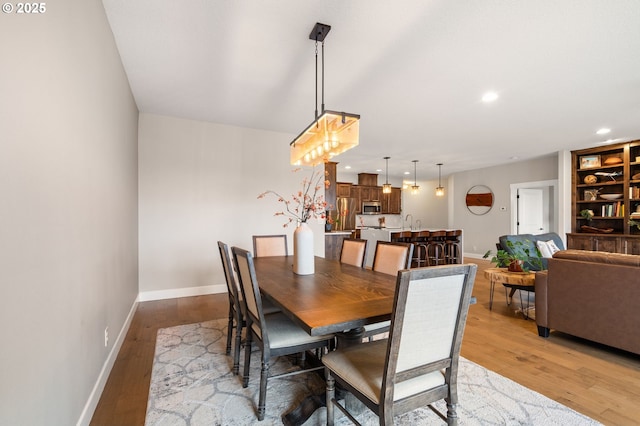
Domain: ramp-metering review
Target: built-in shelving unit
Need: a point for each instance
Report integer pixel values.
(606, 181)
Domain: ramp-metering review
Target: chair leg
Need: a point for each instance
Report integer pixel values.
(247, 359)
(452, 406)
(264, 377)
(331, 392)
(236, 349)
(229, 330)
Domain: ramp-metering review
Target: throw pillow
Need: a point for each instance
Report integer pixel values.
(547, 248)
(544, 250)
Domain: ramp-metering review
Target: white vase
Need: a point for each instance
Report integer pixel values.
(303, 258)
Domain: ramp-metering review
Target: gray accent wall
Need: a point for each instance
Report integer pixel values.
(482, 232)
(68, 210)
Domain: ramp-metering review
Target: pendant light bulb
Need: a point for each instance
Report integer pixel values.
(415, 188)
(386, 188)
(440, 188)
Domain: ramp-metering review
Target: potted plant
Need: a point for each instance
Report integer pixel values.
(515, 260)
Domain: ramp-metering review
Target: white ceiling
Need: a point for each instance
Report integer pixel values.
(414, 70)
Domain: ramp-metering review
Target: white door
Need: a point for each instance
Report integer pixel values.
(531, 211)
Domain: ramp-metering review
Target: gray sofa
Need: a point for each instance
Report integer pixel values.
(528, 241)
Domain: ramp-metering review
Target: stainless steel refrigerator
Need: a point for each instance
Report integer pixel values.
(346, 211)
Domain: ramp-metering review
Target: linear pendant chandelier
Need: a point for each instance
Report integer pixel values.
(332, 132)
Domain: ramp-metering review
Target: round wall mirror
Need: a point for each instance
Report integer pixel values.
(479, 199)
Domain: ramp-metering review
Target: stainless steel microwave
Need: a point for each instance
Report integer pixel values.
(371, 207)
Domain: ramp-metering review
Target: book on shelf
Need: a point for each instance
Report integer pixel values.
(612, 210)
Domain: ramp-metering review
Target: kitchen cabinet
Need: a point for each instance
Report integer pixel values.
(367, 179)
(392, 203)
(598, 174)
(343, 189)
(370, 193)
(333, 244)
(355, 193)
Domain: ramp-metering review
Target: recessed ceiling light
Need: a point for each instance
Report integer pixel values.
(407, 173)
(347, 167)
(603, 131)
(489, 97)
(515, 157)
(378, 170)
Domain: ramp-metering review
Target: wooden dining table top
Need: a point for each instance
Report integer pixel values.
(336, 298)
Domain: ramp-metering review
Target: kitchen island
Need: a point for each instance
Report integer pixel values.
(333, 243)
(372, 235)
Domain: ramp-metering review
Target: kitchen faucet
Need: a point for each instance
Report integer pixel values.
(407, 218)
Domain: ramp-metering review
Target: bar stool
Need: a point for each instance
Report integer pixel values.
(452, 248)
(401, 237)
(419, 240)
(435, 248)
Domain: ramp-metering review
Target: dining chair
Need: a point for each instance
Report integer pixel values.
(418, 364)
(270, 245)
(236, 315)
(389, 258)
(353, 251)
(236, 311)
(275, 334)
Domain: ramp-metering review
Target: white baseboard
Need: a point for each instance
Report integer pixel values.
(474, 255)
(96, 392)
(174, 293)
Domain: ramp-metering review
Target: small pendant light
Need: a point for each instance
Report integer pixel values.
(440, 188)
(415, 188)
(386, 188)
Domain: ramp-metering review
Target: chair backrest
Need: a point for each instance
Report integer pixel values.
(270, 245)
(235, 295)
(353, 251)
(250, 290)
(427, 324)
(389, 258)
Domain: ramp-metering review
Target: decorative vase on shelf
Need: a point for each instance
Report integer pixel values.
(303, 258)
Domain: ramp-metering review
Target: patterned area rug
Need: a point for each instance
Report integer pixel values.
(192, 384)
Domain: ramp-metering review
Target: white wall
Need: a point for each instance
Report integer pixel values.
(199, 183)
(424, 206)
(482, 232)
(68, 209)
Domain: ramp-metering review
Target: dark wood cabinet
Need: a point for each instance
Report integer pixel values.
(392, 203)
(343, 189)
(605, 181)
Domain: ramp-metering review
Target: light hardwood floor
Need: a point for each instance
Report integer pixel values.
(595, 380)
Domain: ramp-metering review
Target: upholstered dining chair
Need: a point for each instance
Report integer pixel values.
(418, 364)
(353, 251)
(236, 310)
(270, 245)
(275, 334)
(389, 258)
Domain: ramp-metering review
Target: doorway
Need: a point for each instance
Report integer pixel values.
(534, 207)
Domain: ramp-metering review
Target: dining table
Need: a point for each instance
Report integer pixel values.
(336, 299)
